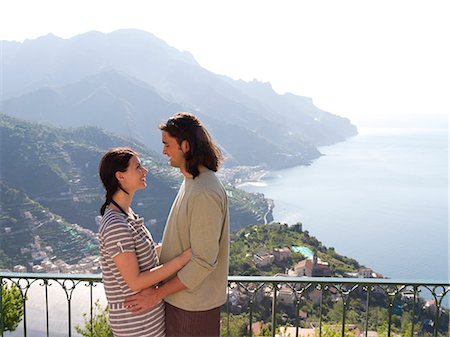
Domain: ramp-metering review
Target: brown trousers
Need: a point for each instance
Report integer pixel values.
(182, 323)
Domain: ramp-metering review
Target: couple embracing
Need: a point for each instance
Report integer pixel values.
(175, 289)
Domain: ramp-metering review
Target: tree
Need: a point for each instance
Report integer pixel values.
(382, 330)
(12, 307)
(100, 323)
(237, 325)
(334, 331)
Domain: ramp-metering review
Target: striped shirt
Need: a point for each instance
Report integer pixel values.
(118, 234)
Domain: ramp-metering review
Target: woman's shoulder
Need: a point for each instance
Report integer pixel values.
(112, 219)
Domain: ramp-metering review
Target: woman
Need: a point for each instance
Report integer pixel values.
(128, 254)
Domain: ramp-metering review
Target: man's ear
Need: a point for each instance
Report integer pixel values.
(185, 146)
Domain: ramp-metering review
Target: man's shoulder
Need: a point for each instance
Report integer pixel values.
(207, 184)
(207, 181)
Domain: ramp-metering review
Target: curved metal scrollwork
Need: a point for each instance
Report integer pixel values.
(438, 293)
(245, 291)
(252, 289)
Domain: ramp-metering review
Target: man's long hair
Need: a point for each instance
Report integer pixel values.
(202, 148)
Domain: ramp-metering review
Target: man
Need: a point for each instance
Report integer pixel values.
(198, 219)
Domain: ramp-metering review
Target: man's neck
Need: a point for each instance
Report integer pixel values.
(187, 175)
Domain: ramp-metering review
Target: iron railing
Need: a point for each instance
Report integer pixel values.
(263, 298)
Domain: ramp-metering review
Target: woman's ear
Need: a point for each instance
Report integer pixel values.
(119, 176)
(185, 146)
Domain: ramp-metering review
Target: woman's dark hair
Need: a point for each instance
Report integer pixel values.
(116, 159)
(202, 148)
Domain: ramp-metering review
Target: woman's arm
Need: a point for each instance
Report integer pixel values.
(149, 297)
(129, 269)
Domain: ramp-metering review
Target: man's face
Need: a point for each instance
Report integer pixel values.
(172, 150)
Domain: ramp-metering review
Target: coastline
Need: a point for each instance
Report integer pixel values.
(239, 175)
(381, 182)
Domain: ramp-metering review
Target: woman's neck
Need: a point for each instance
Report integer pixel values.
(123, 200)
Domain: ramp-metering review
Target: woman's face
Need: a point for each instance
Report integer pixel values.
(134, 178)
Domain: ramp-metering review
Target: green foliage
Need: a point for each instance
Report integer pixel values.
(266, 330)
(100, 323)
(382, 330)
(234, 325)
(352, 313)
(12, 307)
(257, 238)
(334, 331)
(5, 261)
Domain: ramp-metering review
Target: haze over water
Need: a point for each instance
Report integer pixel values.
(380, 197)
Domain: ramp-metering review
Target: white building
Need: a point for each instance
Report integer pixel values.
(20, 269)
(263, 259)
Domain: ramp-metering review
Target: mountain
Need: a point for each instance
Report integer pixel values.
(128, 81)
(110, 100)
(53, 172)
(318, 126)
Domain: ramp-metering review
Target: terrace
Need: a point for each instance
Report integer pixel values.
(55, 303)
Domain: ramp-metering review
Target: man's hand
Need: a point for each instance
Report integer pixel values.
(143, 300)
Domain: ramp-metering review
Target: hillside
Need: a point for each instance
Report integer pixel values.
(31, 232)
(55, 170)
(137, 80)
(314, 305)
(256, 239)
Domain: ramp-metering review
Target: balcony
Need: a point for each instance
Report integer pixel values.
(54, 304)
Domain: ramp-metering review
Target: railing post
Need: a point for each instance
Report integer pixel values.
(297, 321)
(321, 287)
(46, 306)
(1, 306)
(390, 319)
(344, 308)
(70, 317)
(251, 315)
(274, 307)
(92, 313)
(414, 311)
(369, 289)
(228, 310)
(24, 313)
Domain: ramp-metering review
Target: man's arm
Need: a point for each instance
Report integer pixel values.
(206, 216)
(128, 266)
(148, 298)
(206, 227)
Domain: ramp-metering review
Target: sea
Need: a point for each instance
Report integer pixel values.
(381, 197)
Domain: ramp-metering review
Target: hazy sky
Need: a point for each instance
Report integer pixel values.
(380, 63)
